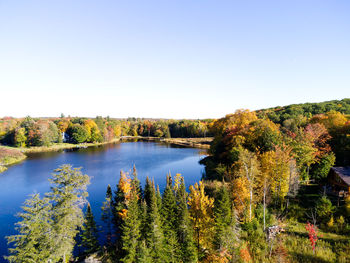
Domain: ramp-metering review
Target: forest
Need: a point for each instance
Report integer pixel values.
(262, 197)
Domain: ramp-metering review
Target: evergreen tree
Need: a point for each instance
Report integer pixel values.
(231, 238)
(89, 235)
(148, 191)
(68, 195)
(183, 224)
(143, 254)
(159, 198)
(153, 230)
(143, 218)
(168, 213)
(120, 206)
(136, 183)
(33, 243)
(131, 229)
(107, 214)
(222, 215)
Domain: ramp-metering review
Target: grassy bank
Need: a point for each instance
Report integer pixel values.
(61, 146)
(9, 156)
(202, 143)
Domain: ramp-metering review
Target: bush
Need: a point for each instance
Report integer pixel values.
(324, 209)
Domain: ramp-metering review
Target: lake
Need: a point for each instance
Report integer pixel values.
(102, 164)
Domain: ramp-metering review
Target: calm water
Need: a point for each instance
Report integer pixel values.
(102, 164)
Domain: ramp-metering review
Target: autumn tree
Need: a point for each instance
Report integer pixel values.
(267, 161)
(201, 215)
(240, 194)
(280, 179)
(249, 168)
(20, 137)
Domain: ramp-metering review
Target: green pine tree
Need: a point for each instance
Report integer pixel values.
(226, 225)
(148, 191)
(159, 198)
(119, 205)
(168, 212)
(131, 226)
(222, 214)
(89, 234)
(68, 194)
(183, 224)
(136, 183)
(153, 230)
(107, 215)
(143, 253)
(33, 242)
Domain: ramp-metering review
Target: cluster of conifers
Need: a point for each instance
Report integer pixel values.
(138, 225)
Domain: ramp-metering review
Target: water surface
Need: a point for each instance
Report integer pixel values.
(102, 164)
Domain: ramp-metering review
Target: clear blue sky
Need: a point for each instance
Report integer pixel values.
(171, 59)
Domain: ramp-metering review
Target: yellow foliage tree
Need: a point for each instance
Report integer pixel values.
(118, 130)
(201, 215)
(280, 175)
(89, 125)
(238, 120)
(267, 161)
(124, 185)
(249, 168)
(240, 194)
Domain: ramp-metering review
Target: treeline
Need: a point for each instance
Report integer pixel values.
(280, 114)
(47, 131)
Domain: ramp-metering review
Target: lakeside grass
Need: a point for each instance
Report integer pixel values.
(201, 143)
(10, 156)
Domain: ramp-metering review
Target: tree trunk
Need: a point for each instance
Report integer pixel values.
(250, 204)
(264, 204)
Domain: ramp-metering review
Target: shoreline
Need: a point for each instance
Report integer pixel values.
(16, 155)
(62, 146)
